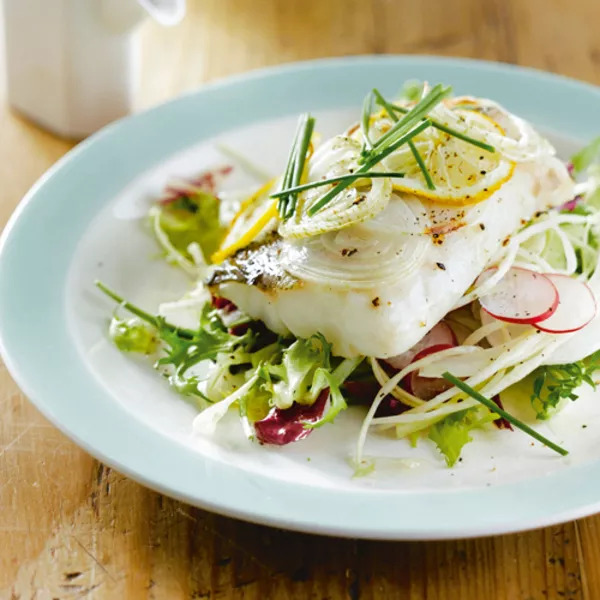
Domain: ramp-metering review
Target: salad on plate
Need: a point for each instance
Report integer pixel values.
(430, 261)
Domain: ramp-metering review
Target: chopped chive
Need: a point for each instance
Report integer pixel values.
(424, 124)
(387, 106)
(411, 124)
(463, 137)
(412, 117)
(307, 132)
(417, 156)
(444, 128)
(422, 165)
(495, 408)
(321, 182)
(397, 108)
(295, 165)
(366, 120)
(285, 180)
(342, 185)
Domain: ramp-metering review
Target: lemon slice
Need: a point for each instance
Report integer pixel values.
(461, 172)
(255, 214)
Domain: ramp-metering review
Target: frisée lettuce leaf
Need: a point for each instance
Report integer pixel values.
(132, 335)
(555, 383)
(454, 431)
(184, 348)
(285, 373)
(193, 218)
(288, 379)
(297, 371)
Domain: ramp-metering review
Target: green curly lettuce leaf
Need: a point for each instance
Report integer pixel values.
(555, 383)
(297, 371)
(193, 218)
(183, 348)
(292, 373)
(453, 432)
(133, 335)
(284, 371)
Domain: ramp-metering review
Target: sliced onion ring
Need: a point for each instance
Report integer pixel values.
(382, 251)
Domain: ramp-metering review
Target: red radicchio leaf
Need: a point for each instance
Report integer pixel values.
(390, 407)
(282, 426)
(173, 193)
(365, 392)
(228, 307)
(239, 329)
(206, 182)
(571, 205)
(501, 423)
(223, 304)
(361, 391)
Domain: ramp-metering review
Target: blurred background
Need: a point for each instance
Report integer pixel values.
(221, 37)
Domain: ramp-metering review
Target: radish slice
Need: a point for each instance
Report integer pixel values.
(576, 307)
(522, 296)
(427, 388)
(439, 334)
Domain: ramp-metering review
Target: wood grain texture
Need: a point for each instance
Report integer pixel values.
(72, 528)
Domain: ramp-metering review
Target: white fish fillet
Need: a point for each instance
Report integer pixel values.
(390, 317)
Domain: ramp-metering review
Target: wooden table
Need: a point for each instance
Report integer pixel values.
(72, 528)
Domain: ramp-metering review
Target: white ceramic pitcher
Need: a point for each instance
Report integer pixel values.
(72, 64)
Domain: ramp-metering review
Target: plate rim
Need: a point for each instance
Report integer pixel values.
(9, 349)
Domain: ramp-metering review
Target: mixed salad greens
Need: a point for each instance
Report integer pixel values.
(283, 387)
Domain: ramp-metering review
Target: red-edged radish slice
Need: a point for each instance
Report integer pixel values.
(439, 334)
(576, 307)
(426, 388)
(522, 296)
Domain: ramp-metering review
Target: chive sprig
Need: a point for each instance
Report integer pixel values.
(292, 175)
(416, 155)
(446, 129)
(408, 123)
(461, 385)
(350, 177)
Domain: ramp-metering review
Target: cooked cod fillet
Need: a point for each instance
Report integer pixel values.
(388, 318)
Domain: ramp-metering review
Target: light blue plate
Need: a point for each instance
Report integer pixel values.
(39, 243)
